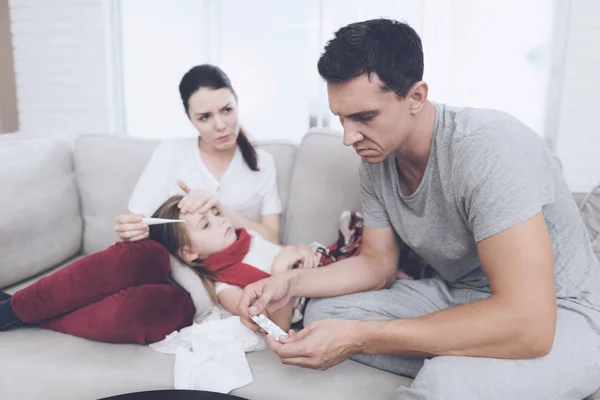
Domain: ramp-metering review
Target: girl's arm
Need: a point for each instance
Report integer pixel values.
(283, 317)
(290, 255)
(229, 298)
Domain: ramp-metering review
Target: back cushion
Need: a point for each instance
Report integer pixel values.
(108, 168)
(324, 184)
(285, 157)
(590, 210)
(40, 223)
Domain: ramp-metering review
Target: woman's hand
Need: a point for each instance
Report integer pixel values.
(130, 227)
(195, 200)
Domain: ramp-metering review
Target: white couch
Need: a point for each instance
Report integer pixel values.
(58, 203)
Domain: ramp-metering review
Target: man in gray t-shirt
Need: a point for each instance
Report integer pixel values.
(514, 309)
(486, 172)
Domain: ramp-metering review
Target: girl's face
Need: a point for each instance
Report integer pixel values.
(209, 233)
(214, 113)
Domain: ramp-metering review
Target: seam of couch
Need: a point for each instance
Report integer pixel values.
(119, 137)
(310, 133)
(266, 142)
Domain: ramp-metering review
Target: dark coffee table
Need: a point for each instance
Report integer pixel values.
(174, 395)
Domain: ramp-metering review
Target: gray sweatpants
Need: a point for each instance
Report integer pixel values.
(570, 372)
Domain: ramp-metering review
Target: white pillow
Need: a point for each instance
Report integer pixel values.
(191, 282)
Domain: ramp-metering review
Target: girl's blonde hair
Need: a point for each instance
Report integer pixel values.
(174, 237)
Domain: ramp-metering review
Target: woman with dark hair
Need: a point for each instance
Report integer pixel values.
(218, 169)
(122, 294)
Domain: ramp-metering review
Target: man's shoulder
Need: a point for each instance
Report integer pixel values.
(471, 121)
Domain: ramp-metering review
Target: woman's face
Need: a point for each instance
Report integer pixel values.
(209, 233)
(215, 114)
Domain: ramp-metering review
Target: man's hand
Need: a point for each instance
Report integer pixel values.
(195, 200)
(320, 345)
(266, 296)
(130, 227)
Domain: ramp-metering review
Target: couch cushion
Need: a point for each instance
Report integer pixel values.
(284, 154)
(590, 210)
(67, 367)
(40, 223)
(349, 380)
(107, 170)
(23, 284)
(324, 183)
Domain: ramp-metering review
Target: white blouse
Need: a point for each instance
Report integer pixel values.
(250, 193)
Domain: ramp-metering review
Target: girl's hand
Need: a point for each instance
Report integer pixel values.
(285, 260)
(130, 227)
(290, 255)
(195, 200)
(308, 257)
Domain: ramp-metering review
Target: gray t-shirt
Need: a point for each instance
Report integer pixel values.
(486, 172)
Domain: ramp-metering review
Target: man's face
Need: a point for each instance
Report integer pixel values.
(375, 122)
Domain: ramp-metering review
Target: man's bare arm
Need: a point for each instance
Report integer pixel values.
(375, 268)
(517, 321)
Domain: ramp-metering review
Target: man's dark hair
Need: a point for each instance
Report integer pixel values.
(388, 48)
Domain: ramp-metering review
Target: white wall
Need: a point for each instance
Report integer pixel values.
(161, 40)
(268, 49)
(493, 54)
(481, 54)
(9, 121)
(73, 57)
(577, 133)
(63, 66)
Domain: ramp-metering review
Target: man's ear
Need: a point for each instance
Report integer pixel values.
(187, 254)
(418, 96)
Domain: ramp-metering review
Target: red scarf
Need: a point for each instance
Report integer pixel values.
(228, 267)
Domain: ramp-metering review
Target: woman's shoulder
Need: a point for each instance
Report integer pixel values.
(265, 159)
